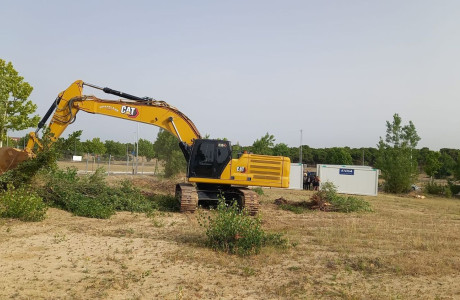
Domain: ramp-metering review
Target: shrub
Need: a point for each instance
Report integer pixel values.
(22, 204)
(234, 231)
(434, 188)
(454, 188)
(165, 203)
(90, 196)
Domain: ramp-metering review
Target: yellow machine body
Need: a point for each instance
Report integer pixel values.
(253, 170)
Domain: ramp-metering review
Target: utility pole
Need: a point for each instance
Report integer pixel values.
(300, 160)
(300, 148)
(137, 147)
(127, 158)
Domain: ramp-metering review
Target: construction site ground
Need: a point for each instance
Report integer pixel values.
(408, 248)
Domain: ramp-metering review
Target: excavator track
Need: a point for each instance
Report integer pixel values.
(187, 196)
(249, 200)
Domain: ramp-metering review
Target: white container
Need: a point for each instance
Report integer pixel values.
(357, 180)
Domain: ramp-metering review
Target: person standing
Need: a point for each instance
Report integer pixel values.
(308, 182)
(316, 183)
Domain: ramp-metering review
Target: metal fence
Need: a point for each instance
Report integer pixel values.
(89, 163)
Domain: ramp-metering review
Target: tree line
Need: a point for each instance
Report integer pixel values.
(438, 164)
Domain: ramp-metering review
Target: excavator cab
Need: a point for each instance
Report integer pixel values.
(209, 158)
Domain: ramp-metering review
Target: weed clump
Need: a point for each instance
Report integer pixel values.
(22, 204)
(232, 230)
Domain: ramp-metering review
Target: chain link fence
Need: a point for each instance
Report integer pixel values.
(129, 164)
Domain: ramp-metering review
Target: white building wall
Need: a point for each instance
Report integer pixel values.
(358, 180)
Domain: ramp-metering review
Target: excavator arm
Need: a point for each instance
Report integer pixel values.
(144, 110)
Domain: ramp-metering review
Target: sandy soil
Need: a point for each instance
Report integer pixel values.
(332, 256)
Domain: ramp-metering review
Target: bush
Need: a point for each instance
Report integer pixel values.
(234, 231)
(454, 188)
(22, 204)
(328, 198)
(90, 196)
(434, 188)
(166, 202)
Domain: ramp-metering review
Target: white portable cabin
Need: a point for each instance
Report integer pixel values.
(296, 176)
(357, 180)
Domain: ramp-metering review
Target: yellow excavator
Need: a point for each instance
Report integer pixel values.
(211, 171)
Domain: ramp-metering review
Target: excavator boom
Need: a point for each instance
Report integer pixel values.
(144, 110)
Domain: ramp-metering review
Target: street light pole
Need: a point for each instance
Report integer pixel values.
(300, 151)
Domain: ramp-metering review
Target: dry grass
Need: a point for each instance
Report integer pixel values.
(406, 249)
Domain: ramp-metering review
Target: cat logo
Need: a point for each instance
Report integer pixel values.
(241, 169)
(132, 112)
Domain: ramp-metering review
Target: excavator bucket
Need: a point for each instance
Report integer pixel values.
(11, 157)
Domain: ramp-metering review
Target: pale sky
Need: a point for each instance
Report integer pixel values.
(338, 70)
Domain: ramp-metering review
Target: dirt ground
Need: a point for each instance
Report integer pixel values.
(407, 248)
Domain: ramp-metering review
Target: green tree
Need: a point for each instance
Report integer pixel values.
(395, 160)
(15, 109)
(115, 148)
(338, 156)
(320, 155)
(264, 145)
(457, 168)
(281, 149)
(95, 146)
(166, 148)
(448, 165)
(432, 163)
(146, 149)
(70, 145)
